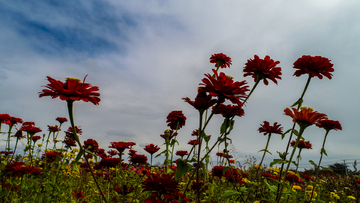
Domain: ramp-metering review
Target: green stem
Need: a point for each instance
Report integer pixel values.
(251, 91)
(70, 109)
(262, 159)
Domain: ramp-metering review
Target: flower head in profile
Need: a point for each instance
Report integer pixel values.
(73, 89)
(202, 101)
(229, 111)
(224, 88)
(151, 148)
(305, 117)
(329, 124)
(176, 120)
(79, 195)
(13, 121)
(91, 145)
(53, 128)
(138, 159)
(302, 144)
(218, 171)
(61, 119)
(193, 142)
(262, 69)
(220, 60)
(169, 133)
(314, 65)
(35, 138)
(30, 129)
(4, 118)
(182, 153)
(266, 128)
(120, 146)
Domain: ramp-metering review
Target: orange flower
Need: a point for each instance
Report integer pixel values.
(305, 117)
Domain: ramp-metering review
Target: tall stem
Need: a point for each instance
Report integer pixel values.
(252, 90)
(70, 109)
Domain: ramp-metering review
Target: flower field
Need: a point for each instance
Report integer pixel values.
(59, 167)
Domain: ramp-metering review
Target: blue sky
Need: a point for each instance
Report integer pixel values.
(147, 55)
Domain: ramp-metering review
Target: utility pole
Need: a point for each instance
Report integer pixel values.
(345, 167)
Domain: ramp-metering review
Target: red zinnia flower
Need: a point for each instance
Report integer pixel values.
(72, 89)
(176, 120)
(305, 117)
(171, 134)
(218, 171)
(4, 118)
(224, 88)
(220, 60)
(267, 129)
(163, 185)
(236, 175)
(78, 130)
(263, 69)
(220, 154)
(229, 111)
(112, 152)
(306, 177)
(91, 145)
(268, 175)
(138, 159)
(13, 120)
(314, 65)
(302, 144)
(131, 144)
(61, 119)
(182, 153)
(292, 178)
(151, 148)
(70, 142)
(30, 129)
(132, 152)
(202, 101)
(54, 128)
(120, 146)
(79, 195)
(51, 156)
(329, 125)
(35, 138)
(109, 162)
(192, 142)
(29, 123)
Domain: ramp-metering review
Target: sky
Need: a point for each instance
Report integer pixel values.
(145, 56)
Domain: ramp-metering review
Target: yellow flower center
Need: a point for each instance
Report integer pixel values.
(229, 77)
(70, 78)
(306, 107)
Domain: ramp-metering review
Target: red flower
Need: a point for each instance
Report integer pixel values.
(72, 89)
(79, 195)
(171, 134)
(292, 178)
(112, 152)
(29, 123)
(78, 130)
(267, 129)
(305, 117)
(268, 175)
(176, 120)
(162, 185)
(192, 142)
(151, 148)
(54, 128)
(229, 111)
(224, 88)
(302, 144)
(220, 60)
(131, 144)
(357, 181)
(132, 152)
(263, 69)
(109, 162)
(120, 146)
(218, 171)
(202, 101)
(236, 175)
(182, 153)
(314, 65)
(91, 145)
(306, 177)
(51, 156)
(70, 142)
(138, 159)
(125, 191)
(13, 120)
(4, 118)
(61, 119)
(35, 138)
(329, 125)
(30, 129)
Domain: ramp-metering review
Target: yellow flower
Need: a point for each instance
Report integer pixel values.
(257, 166)
(296, 187)
(40, 145)
(351, 197)
(309, 187)
(333, 195)
(257, 202)
(75, 150)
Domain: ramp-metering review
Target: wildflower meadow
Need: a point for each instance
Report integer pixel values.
(59, 166)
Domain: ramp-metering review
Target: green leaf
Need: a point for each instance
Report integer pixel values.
(224, 126)
(282, 155)
(313, 163)
(82, 152)
(294, 163)
(283, 135)
(229, 193)
(272, 188)
(298, 102)
(323, 151)
(325, 168)
(182, 168)
(267, 151)
(277, 161)
(173, 141)
(94, 155)
(163, 152)
(296, 132)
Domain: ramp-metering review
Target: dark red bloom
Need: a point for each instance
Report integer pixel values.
(112, 152)
(61, 119)
(314, 65)
(218, 171)
(70, 142)
(306, 177)
(357, 181)
(151, 148)
(263, 69)
(51, 156)
(292, 178)
(120, 146)
(131, 144)
(35, 138)
(125, 191)
(30, 129)
(192, 142)
(329, 125)
(176, 120)
(132, 152)
(79, 195)
(236, 175)
(14, 120)
(229, 111)
(4, 118)
(162, 185)
(30, 123)
(267, 129)
(5, 153)
(54, 128)
(220, 60)
(109, 162)
(224, 88)
(302, 144)
(305, 117)
(268, 175)
(182, 153)
(78, 130)
(18, 169)
(72, 89)
(171, 134)
(91, 145)
(220, 154)
(202, 101)
(138, 159)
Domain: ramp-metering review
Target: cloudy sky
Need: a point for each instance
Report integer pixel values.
(147, 55)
